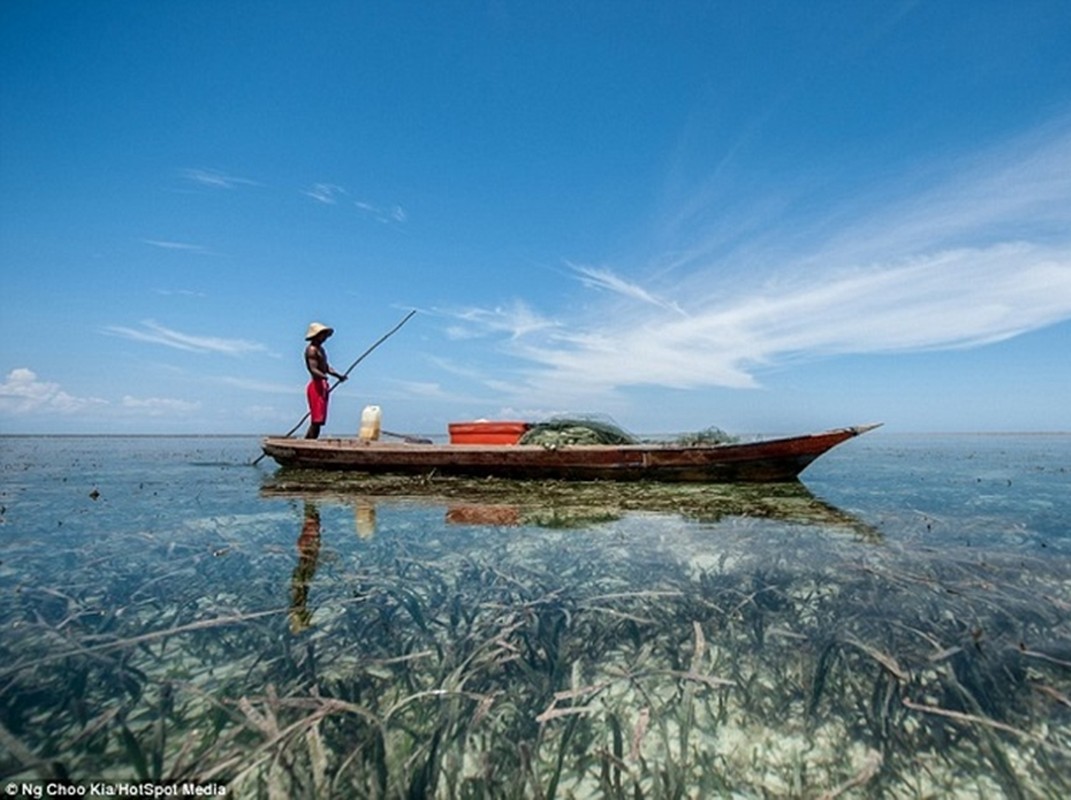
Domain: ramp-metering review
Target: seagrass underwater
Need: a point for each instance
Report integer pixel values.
(172, 617)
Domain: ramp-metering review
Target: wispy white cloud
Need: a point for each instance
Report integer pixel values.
(392, 215)
(179, 293)
(461, 370)
(22, 392)
(261, 413)
(265, 387)
(516, 320)
(1018, 191)
(951, 299)
(435, 392)
(216, 179)
(159, 406)
(154, 333)
(981, 256)
(327, 193)
(602, 278)
(425, 390)
(184, 246)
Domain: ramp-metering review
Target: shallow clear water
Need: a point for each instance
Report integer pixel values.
(900, 625)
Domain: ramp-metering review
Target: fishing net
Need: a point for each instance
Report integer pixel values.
(561, 431)
(579, 430)
(707, 436)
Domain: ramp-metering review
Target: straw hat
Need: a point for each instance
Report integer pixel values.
(317, 328)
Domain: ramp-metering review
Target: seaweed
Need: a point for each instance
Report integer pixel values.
(708, 643)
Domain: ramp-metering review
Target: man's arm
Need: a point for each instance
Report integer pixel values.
(316, 361)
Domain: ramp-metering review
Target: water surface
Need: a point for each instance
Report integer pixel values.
(895, 626)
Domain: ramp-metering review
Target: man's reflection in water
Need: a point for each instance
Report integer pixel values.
(308, 545)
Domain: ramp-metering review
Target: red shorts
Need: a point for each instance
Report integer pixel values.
(316, 391)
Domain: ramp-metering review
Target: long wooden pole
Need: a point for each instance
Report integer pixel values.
(368, 352)
(346, 374)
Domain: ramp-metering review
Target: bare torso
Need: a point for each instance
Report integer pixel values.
(316, 361)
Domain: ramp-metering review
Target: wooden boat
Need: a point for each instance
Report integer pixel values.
(770, 460)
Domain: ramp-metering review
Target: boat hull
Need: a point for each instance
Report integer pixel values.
(771, 460)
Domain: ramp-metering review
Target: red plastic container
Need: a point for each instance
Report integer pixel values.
(486, 432)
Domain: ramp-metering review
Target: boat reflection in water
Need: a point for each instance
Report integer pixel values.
(804, 510)
(483, 514)
(564, 507)
(567, 505)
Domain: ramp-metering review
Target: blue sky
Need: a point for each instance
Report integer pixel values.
(765, 216)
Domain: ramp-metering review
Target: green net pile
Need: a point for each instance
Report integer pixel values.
(562, 431)
(707, 436)
(565, 431)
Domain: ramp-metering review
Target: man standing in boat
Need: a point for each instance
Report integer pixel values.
(319, 370)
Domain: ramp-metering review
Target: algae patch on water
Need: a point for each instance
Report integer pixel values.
(576, 502)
